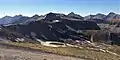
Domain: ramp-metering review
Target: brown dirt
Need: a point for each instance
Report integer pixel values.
(13, 53)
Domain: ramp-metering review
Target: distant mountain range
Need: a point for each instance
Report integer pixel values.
(98, 18)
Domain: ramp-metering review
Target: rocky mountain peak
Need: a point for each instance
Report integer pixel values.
(6, 17)
(19, 15)
(112, 16)
(52, 16)
(99, 16)
(112, 13)
(35, 16)
(73, 15)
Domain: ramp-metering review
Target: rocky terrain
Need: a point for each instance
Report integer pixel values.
(98, 18)
(82, 34)
(52, 28)
(57, 27)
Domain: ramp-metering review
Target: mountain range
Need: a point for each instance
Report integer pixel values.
(50, 27)
(98, 18)
(54, 26)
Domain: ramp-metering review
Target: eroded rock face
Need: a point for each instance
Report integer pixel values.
(54, 28)
(55, 31)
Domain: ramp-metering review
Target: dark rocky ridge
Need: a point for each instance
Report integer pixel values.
(54, 28)
(101, 18)
(55, 31)
(98, 18)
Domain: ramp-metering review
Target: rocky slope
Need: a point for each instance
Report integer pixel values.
(52, 28)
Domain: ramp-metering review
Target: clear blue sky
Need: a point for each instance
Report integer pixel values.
(82, 7)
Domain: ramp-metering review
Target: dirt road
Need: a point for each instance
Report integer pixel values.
(17, 54)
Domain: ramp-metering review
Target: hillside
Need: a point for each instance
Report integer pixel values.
(59, 27)
(90, 37)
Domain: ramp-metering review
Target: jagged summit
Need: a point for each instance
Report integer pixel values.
(98, 18)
